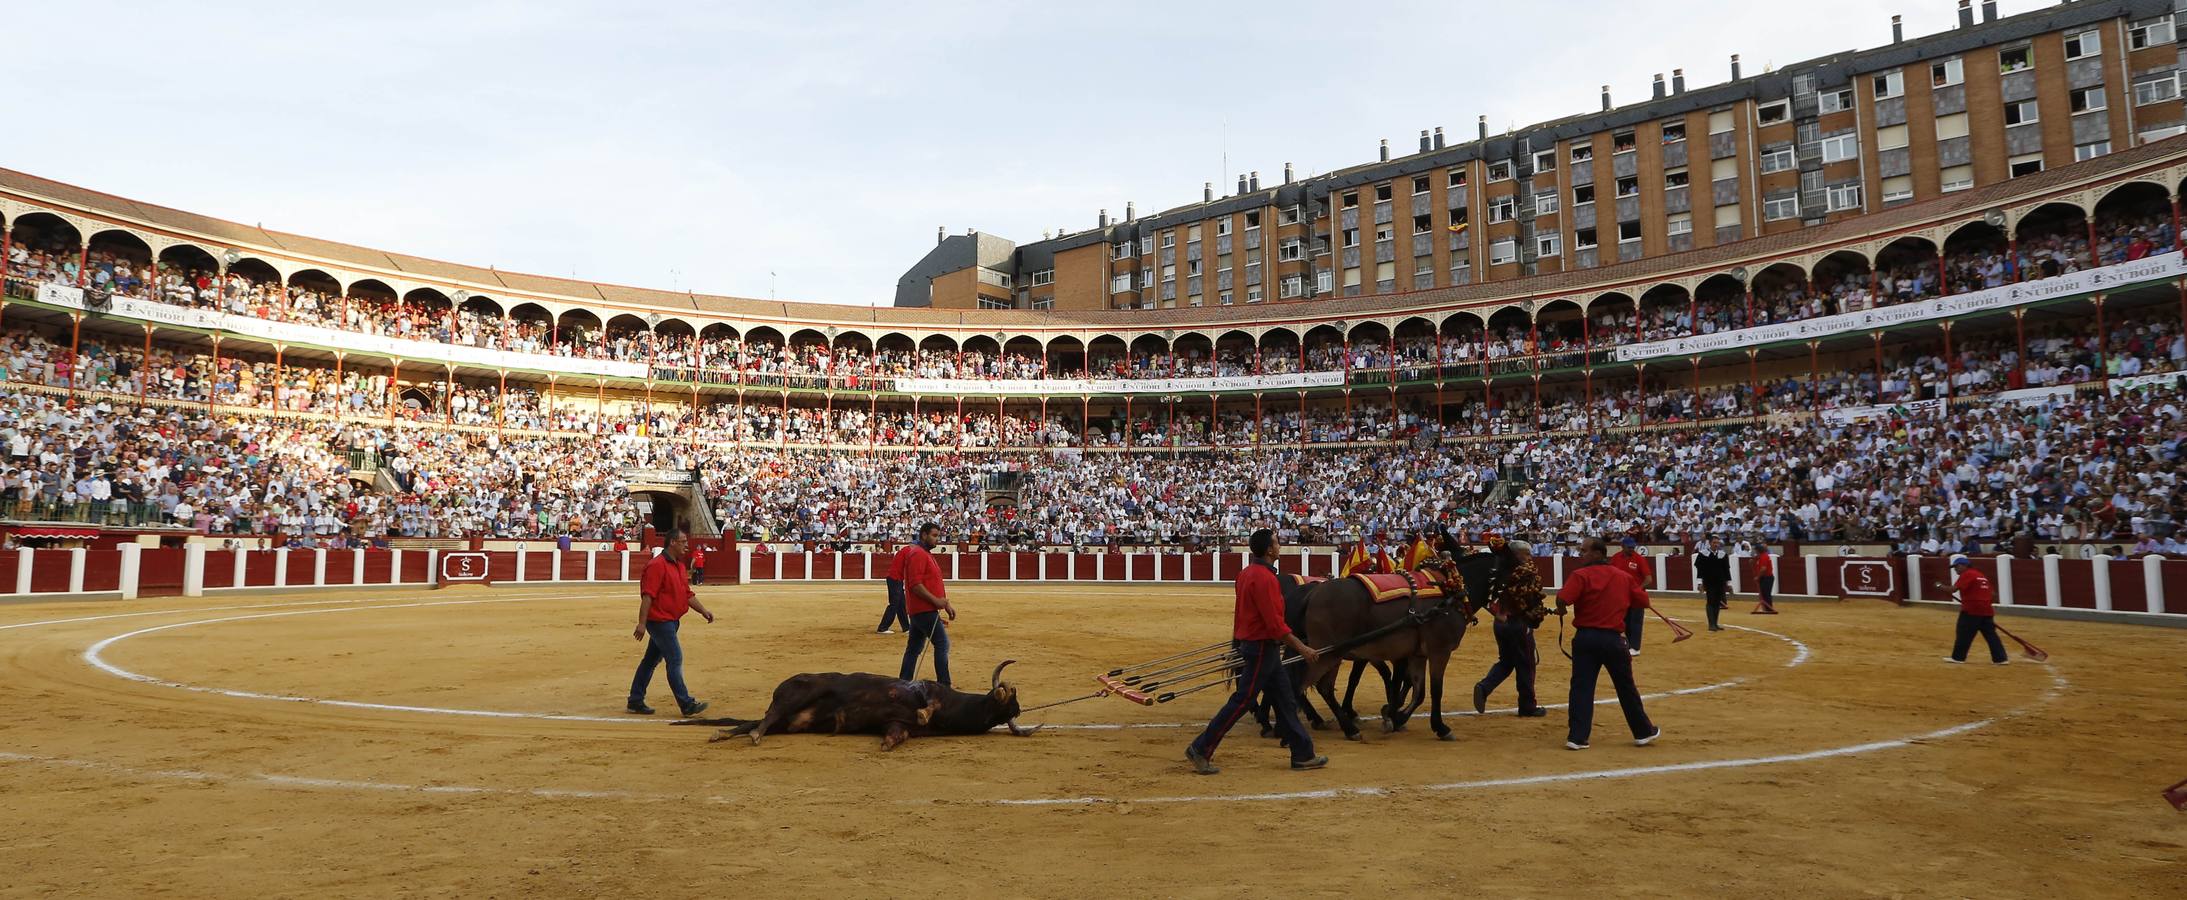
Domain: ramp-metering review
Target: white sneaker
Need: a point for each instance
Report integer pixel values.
(2000, 662)
(1956, 662)
(1650, 739)
(1569, 745)
(1632, 652)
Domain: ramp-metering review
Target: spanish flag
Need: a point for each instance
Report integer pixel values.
(1358, 562)
(1383, 562)
(1418, 554)
(1459, 227)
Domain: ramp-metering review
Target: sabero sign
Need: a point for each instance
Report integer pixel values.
(464, 568)
(1868, 578)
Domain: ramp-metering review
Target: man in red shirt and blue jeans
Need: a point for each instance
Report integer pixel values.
(664, 596)
(1977, 612)
(925, 602)
(1600, 593)
(1260, 635)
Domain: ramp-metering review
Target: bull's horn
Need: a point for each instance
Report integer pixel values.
(995, 681)
(1022, 731)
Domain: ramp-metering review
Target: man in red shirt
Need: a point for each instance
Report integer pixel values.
(1977, 612)
(925, 602)
(1259, 634)
(1635, 563)
(663, 597)
(1765, 580)
(1601, 594)
(698, 564)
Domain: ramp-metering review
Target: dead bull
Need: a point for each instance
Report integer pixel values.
(861, 703)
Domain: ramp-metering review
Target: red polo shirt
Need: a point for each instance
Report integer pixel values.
(1260, 606)
(1600, 595)
(1764, 565)
(1976, 596)
(669, 590)
(915, 567)
(698, 557)
(1635, 564)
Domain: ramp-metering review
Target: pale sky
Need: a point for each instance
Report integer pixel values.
(704, 146)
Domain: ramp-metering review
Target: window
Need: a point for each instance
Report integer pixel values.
(1499, 170)
(1222, 226)
(1583, 195)
(1956, 178)
(1681, 223)
(1351, 237)
(1628, 232)
(1837, 101)
(1043, 303)
(1122, 250)
(2087, 43)
(1720, 121)
(1548, 245)
(1844, 196)
(1503, 251)
(1169, 239)
(1252, 295)
(1381, 193)
(1720, 169)
(1222, 297)
(2082, 100)
(1840, 148)
(1728, 214)
(1192, 267)
(2156, 89)
(1675, 178)
(1323, 280)
(1781, 208)
(1289, 215)
(1291, 250)
(2020, 113)
(1382, 233)
(1947, 72)
(1044, 276)
(996, 303)
(1545, 202)
(1146, 278)
(1293, 286)
(1457, 218)
(1674, 132)
(1583, 239)
(1951, 126)
(1583, 152)
(1420, 184)
(1423, 223)
(1889, 84)
(1169, 272)
(1772, 113)
(1120, 283)
(1351, 199)
(2083, 152)
(1891, 137)
(1351, 277)
(1458, 177)
(2013, 59)
(1898, 188)
(1777, 158)
(1623, 142)
(1628, 187)
(2028, 164)
(2149, 33)
(1545, 161)
(1252, 220)
(1502, 209)
(1385, 271)
(1146, 244)
(1192, 233)
(1423, 266)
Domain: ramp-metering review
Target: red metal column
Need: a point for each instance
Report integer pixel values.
(2020, 334)
(279, 378)
(144, 370)
(75, 342)
(394, 385)
(1951, 364)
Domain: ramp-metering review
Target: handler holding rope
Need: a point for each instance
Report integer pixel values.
(926, 601)
(1601, 593)
(1261, 635)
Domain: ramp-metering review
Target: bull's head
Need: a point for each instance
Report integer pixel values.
(1005, 697)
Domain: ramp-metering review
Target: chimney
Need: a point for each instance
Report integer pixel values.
(1207, 192)
(1606, 98)
(1482, 125)
(1385, 149)
(1966, 13)
(1989, 10)
(1658, 85)
(941, 233)
(1241, 182)
(1678, 81)
(1735, 67)
(1423, 140)
(1438, 137)
(1898, 31)
(1255, 184)
(1131, 211)
(1286, 173)
(1104, 218)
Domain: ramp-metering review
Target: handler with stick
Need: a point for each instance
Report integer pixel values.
(1601, 593)
(1261, 634)
(926, 601)
(1977, 612)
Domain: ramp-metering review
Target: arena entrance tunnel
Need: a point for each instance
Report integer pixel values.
(663, 510)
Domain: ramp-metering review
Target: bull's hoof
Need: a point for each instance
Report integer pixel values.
(1445, 736)
(1391, 726)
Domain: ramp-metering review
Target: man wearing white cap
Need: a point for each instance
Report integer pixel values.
(1977, 612)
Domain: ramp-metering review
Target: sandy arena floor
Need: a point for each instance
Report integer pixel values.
(1833, 755)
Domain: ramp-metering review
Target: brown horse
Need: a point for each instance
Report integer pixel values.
(1426, 631)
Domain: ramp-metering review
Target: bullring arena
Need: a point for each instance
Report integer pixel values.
(338, 740)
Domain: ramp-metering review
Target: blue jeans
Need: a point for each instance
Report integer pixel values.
(921, 626)
(1594, 651)
(662, 648)
(1259, 674)
(895, 612)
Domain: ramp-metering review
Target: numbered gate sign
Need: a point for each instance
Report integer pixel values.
(463, 567)
(1868, 578)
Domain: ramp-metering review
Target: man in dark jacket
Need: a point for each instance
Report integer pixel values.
(1712, 566)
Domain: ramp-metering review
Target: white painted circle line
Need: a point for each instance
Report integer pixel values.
(298, 781)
